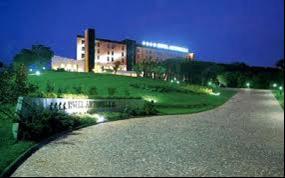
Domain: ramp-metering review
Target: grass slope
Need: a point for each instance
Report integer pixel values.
(167, 103)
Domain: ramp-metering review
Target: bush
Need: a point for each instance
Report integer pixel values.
(149, 108)
(78, 89)
(44, 123)
(112, 91)
(93, 91)
(127, 93)
(50, 87)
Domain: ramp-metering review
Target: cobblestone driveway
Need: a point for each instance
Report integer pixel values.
(244, 137)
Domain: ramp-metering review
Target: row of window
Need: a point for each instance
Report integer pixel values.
(98, 57)
(109, 45)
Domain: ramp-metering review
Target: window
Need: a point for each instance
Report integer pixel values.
(123, 54)
(98, 57)
(108, 58)
(98, 44)
(123, 61)
(82, 55)
(98, 50)
(112, 52)
(123, 48)
(83, 48)
(83, 42)
(108, 45)
(113, 46)
(108, 52)
(112, 59)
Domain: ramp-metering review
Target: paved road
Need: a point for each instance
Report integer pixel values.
(244, 137)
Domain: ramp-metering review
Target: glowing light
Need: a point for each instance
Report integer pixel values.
(274, 85)
(178, 82)
(174, 78)
(73, 96)
(280, 88)
(150, 99)
(44, 68)
(100, 118)
(209, 83)
(165, 46)
(38, 73)
(248, 84)
(31, 70)
(171, 81)
(215, 94)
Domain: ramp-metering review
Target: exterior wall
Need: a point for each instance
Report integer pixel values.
(80, 48)
(106, 53)
(146, 53)
(67, 64)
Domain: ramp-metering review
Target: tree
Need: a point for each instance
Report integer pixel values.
(116, 66)
(1, 64)
(138, 69)
(39, 55)
(280, 64)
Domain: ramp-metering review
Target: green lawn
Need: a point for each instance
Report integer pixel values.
(280, 97)
(167, 103)
(9, 148)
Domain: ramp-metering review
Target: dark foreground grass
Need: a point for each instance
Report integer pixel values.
(10, 149)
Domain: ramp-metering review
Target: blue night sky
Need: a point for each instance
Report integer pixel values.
(250, 31)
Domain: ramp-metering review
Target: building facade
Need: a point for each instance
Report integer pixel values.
(98, 55)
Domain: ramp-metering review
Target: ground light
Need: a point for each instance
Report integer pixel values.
(38, 73)
(31, 70)
(281, 88)
(274, 85)
(178, 82)
(248, 84)
(171, 81)
(44, 68)
(209, 83)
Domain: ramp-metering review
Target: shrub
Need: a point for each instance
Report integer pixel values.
(60, 92)
(78, 89)
(149, 108)
(50, 87)
(60, 70)
(111, 91)
(93, 91)
(44, 123)
(127, 93)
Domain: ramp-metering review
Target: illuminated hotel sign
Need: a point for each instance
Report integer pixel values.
(165, 46)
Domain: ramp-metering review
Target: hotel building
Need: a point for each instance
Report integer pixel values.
(97, 54)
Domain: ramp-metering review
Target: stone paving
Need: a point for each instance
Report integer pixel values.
(244, 137)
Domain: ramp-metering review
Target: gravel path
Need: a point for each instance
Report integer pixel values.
(244, 137)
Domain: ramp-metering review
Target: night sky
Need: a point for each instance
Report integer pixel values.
(250, 31)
